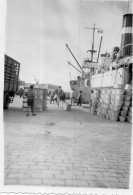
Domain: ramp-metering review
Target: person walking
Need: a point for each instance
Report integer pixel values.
(59, 94)
(21, 92)
(52, 96)
(63, 96)
(72, 97)
(79, 98)
(55, 97)
(30, 100)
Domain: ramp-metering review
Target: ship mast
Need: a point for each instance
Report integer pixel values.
(92, 51)
(74, 57)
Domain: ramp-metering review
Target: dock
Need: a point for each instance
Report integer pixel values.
(65, 148)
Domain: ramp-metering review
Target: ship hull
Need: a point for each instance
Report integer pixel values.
(86, 92)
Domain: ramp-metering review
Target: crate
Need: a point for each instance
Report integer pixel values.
(107, 116)
(119, 102)
(113, 102)
(25, 109)
(113, 91)
(114, 118)
(25, 104)
(108, 96)
(129, 119)
(127, 97)
(112, 97)
(128, 92)
(130, 114)
(108, 91)
(38, 91)
(125, 108)
(103, 96)
(122, 118)
(103, 91)
(119, 97)
(106, 106)
(120, 91)
(96, 92)
(114, 113)
(115, 107)
(107, 101)
(65, 105)
(101, 100)
(68, 107)
(127, 103)
(123, 113)
(105, 111)
(39, 96)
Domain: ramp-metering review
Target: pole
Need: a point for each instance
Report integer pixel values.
(74, 67)
(93, 43)
(74, 57)
(99, 48)
(92, 50)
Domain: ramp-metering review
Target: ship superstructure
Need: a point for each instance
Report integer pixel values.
(114, 70)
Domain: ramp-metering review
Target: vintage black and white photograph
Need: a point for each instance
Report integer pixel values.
(67, 94)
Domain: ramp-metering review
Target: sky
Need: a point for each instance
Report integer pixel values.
(37, 31)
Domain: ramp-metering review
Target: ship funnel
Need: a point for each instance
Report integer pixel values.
(126, 36)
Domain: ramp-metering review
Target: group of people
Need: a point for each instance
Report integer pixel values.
(74, 98)
(57, 95)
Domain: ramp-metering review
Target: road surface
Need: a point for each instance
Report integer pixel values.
(65, 148)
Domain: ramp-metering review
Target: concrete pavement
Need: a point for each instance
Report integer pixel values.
(65, 148)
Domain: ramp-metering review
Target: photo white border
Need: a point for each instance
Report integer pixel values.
(40, 189)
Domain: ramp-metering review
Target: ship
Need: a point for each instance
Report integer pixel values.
(114, 69)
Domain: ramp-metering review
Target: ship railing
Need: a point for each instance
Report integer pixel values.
(125, 51)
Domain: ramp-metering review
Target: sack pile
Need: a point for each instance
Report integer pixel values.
(112, 104)
(104, 103)
(117, 96)
(126, 110)
(40, 102)
(24, 106)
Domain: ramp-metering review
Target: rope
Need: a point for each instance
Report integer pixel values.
(69, 71)
(128, 7)
(79, 26)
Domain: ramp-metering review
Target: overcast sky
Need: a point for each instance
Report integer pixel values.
(37, 31)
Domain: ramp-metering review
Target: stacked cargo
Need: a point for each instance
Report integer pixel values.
(129, 115)
(117, 96)
(45, 92)
(25, 104)
(95, 99)
(104, 103)
(126, 110)
(111, 101)
(40, 102)
(113, 104)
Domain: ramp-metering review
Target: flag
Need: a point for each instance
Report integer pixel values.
(100, 31)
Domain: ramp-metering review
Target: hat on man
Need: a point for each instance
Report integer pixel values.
(31, 86)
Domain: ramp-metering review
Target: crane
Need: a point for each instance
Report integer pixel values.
(74, 67)
(37, 81)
